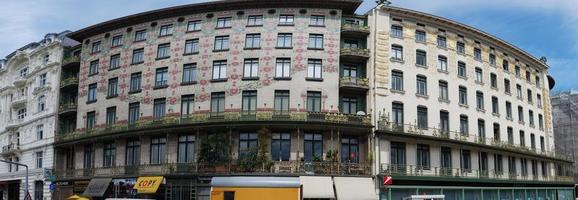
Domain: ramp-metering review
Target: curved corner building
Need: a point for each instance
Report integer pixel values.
(276, 90)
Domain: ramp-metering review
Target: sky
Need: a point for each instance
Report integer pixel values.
(542, 28)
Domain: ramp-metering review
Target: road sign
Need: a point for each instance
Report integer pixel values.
(52, 187)
(28, 197)
(387, 180)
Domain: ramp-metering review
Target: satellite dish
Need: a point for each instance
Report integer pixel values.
(360, 113)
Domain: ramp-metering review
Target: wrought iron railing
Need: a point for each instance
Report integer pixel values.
(68, 81)
(67, 106)
(354, 27)
(70, 59)
(354, 82)
(355, 52)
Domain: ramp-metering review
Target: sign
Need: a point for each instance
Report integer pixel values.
(148, 184)
(387, 180)
(97, 187)
(52, 187)
(28, 197)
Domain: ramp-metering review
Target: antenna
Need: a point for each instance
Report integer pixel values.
(383, 2)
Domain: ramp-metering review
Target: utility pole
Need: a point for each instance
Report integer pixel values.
(20, 164)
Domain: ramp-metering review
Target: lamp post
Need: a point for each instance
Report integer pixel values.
(20, 164)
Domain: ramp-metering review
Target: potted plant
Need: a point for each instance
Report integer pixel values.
(214, 152)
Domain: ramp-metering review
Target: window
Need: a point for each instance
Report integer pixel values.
(443, 90)
(132, 153)
(519, 91)
(313, 101)
(194, 25)
(315, 41)
(479, 100)
(532, 141)
(110, 116)
(464, 127)
(186, 149)
(350, 44)
(538, 84)
(442, 63)
(518, 71)
(531, 117)
(520, 114)
(187, 105)
(217, 103)
(420, 58)
(251, 68)
(40, 132)
(221, 43)
(479, 75)
(441, 41)
(161, 77)
(159, 108)
(507, 86)
(164, 51)
(90, 120)
(280, 146)
(220, 70)
(224, 22)
(314, 68)
(492, 59)
(116, 41)
(420, 36)
(24, 71)
(96, 47)
(282, 68)
(157, 155)
(38, 190)
(397, 80)
(286, 19)
(39, 156)
(166, 30)
(108, 154)
(544, 169)
(42, 79)
(542, 145)
(281, 104)
(255, 20)
(133, 112)
(506, 66)
(510, 135)
(478, 54)
(313, 147)
(93, 69)
(540, 122)
(461, 47)
(483, 163)
(421, 85)
(253, 41)
(498, 166)
(466, 161)
(317, 20)
(284, 40)
(463, 95)
(137, 56)
(349, 105)
(534, 168)
(446, 160)
(423, 157)
(511, 165)
(192, 46)
(21, 113)
(41, 103)
(422, 117)
(522, 138)
(349, 149)
(135, 82)
(397, 113)
(112, 87)
(140, 35)
(495, 106)
(396, 31)
(529, 96)
(397, 52)
(189, 73)
(524, 166)
(114, 62)
(493, 80)
(528, 77)
(91, 93)
(398, 154)
(249, 102)
(508, 109)
(462, 70)
(481, 129)
(539, 100)
(88, 156)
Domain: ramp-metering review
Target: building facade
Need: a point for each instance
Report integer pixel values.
(28, 99)
(305, 89)
(463, 112)
(565, 113)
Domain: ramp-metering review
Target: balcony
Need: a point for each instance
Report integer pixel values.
(229, 118)
(354, 83)
(70, 61)
(19, 81)
(354, 29)
(434, 133)
(10, 149)
(455, 174)
(14, 123)
(354, 54)
(67, 107)
(277, 168)
(19, 101)
(69, 82)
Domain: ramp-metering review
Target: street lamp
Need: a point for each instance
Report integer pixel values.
(26, 166)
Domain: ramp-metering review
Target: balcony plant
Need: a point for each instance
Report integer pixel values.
(257, 159)
(214, 152)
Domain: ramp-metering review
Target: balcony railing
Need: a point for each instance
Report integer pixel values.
(19, 100)
(278, 167)
(413, 129)
(355, 52)
(15, 123)
(19, 81)
(349, 27)
(67, 107)
(412, 170)
(68, 82)
(354, 82)
(222, 117)
(10, 148)
(70, 60)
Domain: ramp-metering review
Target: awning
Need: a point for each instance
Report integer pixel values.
(97, 187)
(148, 184)
(317, 187)
(355, 188)
(247, 181)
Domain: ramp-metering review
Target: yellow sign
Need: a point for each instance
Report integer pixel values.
(148, 184)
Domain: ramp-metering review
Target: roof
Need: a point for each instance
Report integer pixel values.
(473, 31)
(254, 181)
(347, 7)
